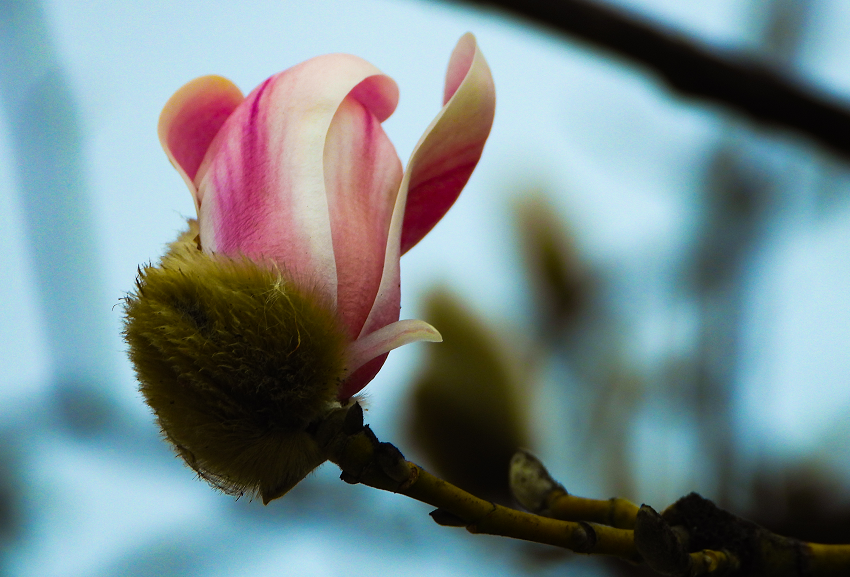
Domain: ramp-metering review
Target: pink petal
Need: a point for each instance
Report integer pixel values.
(439, 167)
(367, 354)
(191, 119)
(263, 179)
(447, 153)
(387, 304)
(362, 176)
(361, 377)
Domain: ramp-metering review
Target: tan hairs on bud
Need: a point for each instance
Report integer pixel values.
(236, 362)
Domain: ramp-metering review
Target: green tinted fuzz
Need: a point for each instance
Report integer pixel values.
(236, 362)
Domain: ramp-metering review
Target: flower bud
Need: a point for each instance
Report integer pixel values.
(283, 301)
(236, 362)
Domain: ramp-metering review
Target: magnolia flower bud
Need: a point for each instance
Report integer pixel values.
(236, 363)
(282, 301)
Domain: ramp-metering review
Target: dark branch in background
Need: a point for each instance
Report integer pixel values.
(746, 86)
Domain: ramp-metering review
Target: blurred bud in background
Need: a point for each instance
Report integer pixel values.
(12, 507)
(468, 412)
(560, 284)
(738, 198)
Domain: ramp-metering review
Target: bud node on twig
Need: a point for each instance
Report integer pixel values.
(530, 482)
(446, 519)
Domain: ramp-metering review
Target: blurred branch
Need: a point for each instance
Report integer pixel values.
(47, 158)
(746, 86)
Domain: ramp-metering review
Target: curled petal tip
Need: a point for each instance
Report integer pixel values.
(448, 152)
(459, 64)
(439, 167)
(390, 337)
(190, 120)
(378, 94)
(433, 335)
(377, 344)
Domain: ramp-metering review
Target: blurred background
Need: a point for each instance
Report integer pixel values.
(647, 291)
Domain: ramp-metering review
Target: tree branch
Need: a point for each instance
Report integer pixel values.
(745, 86)
(692, 538)
(363, 459)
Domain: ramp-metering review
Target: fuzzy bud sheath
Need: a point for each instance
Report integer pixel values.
(235, 363)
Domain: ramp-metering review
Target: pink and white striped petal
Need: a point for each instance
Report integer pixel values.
(438, 168)
(190, 120)
(262, 182)
(376, 345)
(447, 153)
(362, 177)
